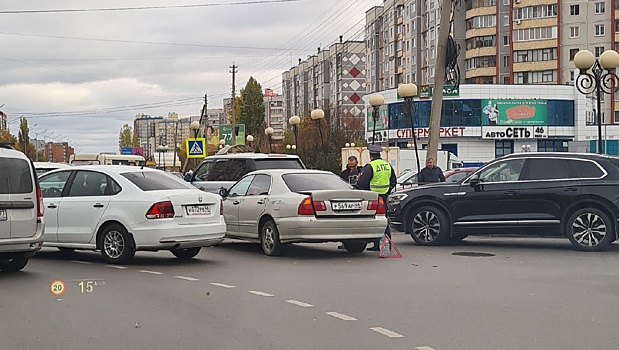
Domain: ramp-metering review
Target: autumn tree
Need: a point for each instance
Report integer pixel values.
(252, 108)
(6, 137)
(126, 137)
(23, 140)
(238, 101)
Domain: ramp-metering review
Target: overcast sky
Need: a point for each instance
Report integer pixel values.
(85, 90)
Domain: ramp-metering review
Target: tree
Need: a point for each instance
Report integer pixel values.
(125, 137)
(134, 139)
(238, 101)
(252, 108)
(23, 140)
(6, 137)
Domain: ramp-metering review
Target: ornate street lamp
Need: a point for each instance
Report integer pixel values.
(408, 93)
(376, 101)
(294, 121)
(269, 132)
(318, 115)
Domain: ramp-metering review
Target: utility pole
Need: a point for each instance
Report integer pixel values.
(232, 107)
(439, 80)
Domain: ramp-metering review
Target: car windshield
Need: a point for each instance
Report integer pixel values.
(314, 182)
(156, 181)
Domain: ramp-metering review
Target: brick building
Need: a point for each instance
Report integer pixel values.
(58, 152)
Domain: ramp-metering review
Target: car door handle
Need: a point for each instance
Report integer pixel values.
(98, 205)
(236, 202)
(52, 206)
(570, 189)
(262, 201)
(510, 193)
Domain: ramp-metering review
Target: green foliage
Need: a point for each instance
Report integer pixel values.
(126, 137)
(252, 108)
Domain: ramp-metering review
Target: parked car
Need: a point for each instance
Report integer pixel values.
(568, 194)
(44, 167)
(120, 210)
(21, 210)
(219, 171)
(275, 207)
(409, 179)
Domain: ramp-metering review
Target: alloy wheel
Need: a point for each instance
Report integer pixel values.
(589, 229)
(426, 226)
(114, 244)
(268, 241)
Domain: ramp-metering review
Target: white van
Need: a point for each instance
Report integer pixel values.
(21, 210)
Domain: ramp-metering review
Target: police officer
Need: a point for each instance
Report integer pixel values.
(378, 176)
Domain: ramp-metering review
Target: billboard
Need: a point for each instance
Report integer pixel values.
(514, 112)
(383, 118)
(225, 133)
(132, 151)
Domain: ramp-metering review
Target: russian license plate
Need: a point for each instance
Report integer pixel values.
(3, 215)
(198, 210)
(346, 205)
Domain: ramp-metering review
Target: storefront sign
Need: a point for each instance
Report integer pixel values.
(425, 92)
(456, 131)
(514, 112)
(514, 133)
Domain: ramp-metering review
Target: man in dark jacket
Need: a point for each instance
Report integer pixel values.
(431, 173)
(352, 171)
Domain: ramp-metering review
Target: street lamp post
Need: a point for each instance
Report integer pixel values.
(294, 121)
(159, 150)
(318, 115)
(221, 143)
(269, 132)
(408, 93)
(599, 79)
(376, 101)
(249, 139)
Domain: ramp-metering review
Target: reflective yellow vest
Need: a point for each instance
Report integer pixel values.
(381, 171)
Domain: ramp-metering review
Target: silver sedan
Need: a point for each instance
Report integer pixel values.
(275, 207)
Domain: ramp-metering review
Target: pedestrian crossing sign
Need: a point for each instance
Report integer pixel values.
(195, 148)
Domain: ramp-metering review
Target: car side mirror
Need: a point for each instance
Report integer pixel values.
(223, 192)
(188, 178)
(474, 180)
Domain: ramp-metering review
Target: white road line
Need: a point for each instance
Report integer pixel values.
(262, 294)
(151, 272)
(387, 332)
(341, 316)
(299, 303)
(222, 285)
(80, 262)
(424, 348)
(187, 278)
(117, 267)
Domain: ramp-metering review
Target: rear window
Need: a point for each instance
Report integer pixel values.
(15, 176)
(314, 182)
(285, 163)
(155, 181)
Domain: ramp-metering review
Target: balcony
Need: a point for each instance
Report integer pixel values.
(399, 20)
(480, 72)
(534, 66)
(480, 11)
(527, 3)
(479, 52)
(471, 33)
(534, 44)
(534, 23)
(616, 38)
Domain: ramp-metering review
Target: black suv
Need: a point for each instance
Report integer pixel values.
(566, 194)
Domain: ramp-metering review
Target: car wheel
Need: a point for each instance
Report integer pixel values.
(590, 230)
(13, 263)
(269, 239)
(355, 247)
(428, 226)
(185, 253)
(115, 245)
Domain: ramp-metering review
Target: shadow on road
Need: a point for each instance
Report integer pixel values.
(313, 251)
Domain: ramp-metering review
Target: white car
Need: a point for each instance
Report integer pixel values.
(120, 210)
(44, 167)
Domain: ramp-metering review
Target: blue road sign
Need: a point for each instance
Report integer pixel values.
(196, 148)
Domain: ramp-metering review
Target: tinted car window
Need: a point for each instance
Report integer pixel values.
(313, 182)
(585, 169)
(264, 164)
(219, 171)
(508, 170)
(203, 171)
(260, 186)
(549, 169)
(155, 181)
(236, 169)
(456, 177)
(15, 176)
(53, 184)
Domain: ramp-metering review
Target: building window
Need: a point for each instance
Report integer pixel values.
(506, 80)
(535, 77)
(573, 53)
(560, 112)
(503, 148)
(600, 7)
(574, 32)
(485, 21)
(600, 29)
(480, 62)
(574, 10)
(539, 11)
(535, 55)
(481, 41)
(505, 2)
(538, 33)
(572, 75)
(598, 51)
(552, 145)
(505, 61)
(505, 40)
(505, 21)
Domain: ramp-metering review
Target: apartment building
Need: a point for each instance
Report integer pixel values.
(274, 113)
(58, 152)
(215, 116)
(332, 79)
(159, 131)
(144, 125)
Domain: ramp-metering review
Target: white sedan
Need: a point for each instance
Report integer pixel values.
(120, 210)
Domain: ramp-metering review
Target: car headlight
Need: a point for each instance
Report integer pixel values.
(397, 198)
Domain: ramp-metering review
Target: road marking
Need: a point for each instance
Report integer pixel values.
(341, 316)
(424, 348)
(80, 262)
(117, 267)
(262, 294)
(187, 278)
(151, 272)
(388, 333)
(222, 285)
(299, 303)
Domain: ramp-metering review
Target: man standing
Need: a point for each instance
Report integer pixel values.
(431, 173)
(378, 176)
(352, 171)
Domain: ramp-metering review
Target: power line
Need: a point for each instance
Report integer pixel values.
(148, 7)
(124, 59)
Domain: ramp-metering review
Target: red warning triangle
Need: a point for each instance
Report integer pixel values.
(388, 249)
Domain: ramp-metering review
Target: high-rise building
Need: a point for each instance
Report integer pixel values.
(144, 125)
(215, 116)
(58, 152)
(274, 113)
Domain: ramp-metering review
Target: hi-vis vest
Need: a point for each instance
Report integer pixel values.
(381, 171)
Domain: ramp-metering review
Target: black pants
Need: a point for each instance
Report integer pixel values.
(385, 197)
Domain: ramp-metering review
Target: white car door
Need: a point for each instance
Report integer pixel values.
(52, 187)
(81, 210)
(232, 204)
(254, 205)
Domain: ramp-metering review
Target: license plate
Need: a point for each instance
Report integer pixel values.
(3, 215)
(346, 205)
(198, 210)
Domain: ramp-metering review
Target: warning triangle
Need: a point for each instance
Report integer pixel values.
(388, 249)
(196, 149)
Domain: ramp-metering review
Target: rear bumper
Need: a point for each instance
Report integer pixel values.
(25, 245)
(167, 234)
(311, 229)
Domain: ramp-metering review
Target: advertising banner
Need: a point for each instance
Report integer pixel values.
(225, 133)
(382, 123)
(514, 133)
(514, 112)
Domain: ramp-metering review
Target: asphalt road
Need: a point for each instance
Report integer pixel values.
(529, 294)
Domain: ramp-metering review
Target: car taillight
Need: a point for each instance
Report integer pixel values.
(306, 207)
(320, 206)
(40, 206)
(378, 205)
(161, 210)
(221, 207)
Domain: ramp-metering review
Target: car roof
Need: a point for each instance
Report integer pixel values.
(290, 171)
(52, 164)
(253, 156)
(591, 156)
(11, 153)
(111, 169)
